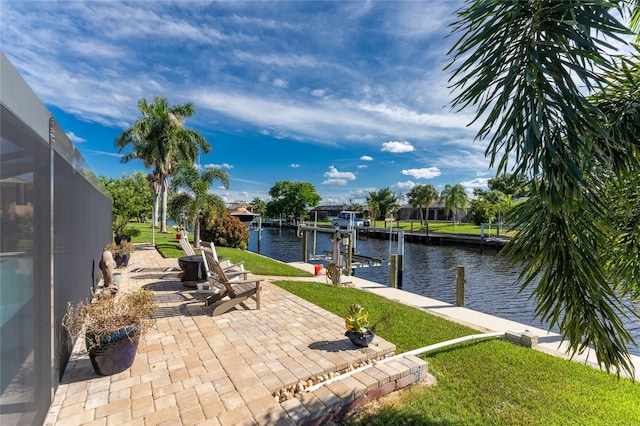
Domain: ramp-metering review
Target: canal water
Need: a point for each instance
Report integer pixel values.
(431, 271)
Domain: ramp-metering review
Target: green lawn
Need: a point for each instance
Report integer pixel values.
(481, 382)
(169, 247)
(447, 227)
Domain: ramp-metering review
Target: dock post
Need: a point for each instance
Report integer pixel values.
(400, 261)
(460, 283)
(393, 266)
(305, 251)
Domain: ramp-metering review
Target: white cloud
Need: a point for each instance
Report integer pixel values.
(75, 138)
(278, 82)
(294, 165)
(402, 186)
(336, 177)
(219, 166)
(476, 183)
(362, 166)
(366, 158)
(397, 147)
(424, 173)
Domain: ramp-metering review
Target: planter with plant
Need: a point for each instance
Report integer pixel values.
(357, 324)
(180, 231)
(112, 326)
(122, 232)
(121, 252)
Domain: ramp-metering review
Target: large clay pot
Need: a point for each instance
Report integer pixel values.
(360, 339)
(116, 351)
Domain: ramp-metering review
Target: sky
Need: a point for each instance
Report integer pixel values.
(348, 96)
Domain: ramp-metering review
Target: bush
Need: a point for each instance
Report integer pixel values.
(227, 231)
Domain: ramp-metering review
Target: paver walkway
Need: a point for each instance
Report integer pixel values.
(198, 369)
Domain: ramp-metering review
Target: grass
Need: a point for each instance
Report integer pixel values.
(480, 382)
(169, 247)
(446, 227)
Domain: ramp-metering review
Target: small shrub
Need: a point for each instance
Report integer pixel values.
(227, 231)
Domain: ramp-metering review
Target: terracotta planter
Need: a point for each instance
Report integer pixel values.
(116, 351)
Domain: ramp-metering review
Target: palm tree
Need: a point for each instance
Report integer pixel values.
(258, 206)
(384, 199)
(422, 196)
(153, 179)
(374, 209)
(160, 139)
(455, 198)
(195, 201)
(555, 104)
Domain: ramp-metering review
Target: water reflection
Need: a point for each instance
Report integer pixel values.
(431, 271)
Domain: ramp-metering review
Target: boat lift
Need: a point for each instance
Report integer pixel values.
(349, 259)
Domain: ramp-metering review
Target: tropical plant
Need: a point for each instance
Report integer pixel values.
(455, 199)
(195, 201)
(422, 196)
(258, 206)
(384, 200)
(530, 67)
(160, 139)
(120, 227)
(227, 231)
(357, 319)
(516, 185)
(373, 209)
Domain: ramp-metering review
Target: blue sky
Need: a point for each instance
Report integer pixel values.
(349, 96)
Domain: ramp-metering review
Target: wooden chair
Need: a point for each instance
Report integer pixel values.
(237, 291)
(224, 262)
(233, 271)
(188, 249)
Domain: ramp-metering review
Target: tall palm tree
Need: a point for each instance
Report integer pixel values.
(195, 199)
(153, 179)
(422, 196)
(160, 139)
(455, 198)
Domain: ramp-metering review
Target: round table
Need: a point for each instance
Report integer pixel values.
(193, 269)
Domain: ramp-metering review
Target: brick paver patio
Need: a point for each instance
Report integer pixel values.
(198, 369)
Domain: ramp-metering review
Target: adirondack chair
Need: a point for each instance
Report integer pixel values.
(237, 291)
(224, 262)
(233, 271)
(186, 246)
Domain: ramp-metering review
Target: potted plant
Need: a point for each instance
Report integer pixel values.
(179, 231)
(121, 252)
(112, 325)
(121, 231)
(357, 324)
